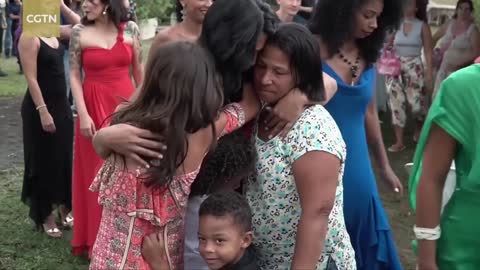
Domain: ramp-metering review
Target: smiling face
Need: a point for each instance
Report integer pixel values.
(273, 77)
(93, 9)
(366, 18)
(221, 242)
(196, 9)
(291, 7)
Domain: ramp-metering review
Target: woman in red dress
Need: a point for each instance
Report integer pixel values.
(105, 46)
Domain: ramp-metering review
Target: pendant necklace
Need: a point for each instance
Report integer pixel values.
(353, 66)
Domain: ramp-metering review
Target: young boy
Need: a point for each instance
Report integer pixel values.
(224, 233)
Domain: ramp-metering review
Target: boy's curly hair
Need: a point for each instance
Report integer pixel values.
(234, 155)
(228, 204)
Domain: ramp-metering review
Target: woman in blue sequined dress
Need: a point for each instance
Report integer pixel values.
(351, 33)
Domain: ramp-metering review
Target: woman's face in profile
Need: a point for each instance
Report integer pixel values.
(196, 9)
(93, 9)
(272, 74)
(366, 18)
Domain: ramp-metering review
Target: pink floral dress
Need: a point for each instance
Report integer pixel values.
(131, 210)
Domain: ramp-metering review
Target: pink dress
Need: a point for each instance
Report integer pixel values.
(131, 210)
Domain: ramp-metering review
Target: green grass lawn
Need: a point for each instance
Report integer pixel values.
(14, 84)
(22, 247)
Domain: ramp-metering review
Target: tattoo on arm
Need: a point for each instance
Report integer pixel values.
(75, 50)
(133, 31)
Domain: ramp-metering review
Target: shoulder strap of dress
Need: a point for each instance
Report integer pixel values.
(121, 30)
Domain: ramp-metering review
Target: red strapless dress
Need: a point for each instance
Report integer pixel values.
(107, 82)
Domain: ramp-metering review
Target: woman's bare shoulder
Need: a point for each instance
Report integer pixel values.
(166, 35)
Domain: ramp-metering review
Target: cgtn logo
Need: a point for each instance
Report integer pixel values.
(42, 18)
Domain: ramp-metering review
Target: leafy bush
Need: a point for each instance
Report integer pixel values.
(160, 9)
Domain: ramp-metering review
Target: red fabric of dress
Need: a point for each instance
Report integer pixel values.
(107, 82)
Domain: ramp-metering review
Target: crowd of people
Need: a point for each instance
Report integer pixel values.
(244, 141)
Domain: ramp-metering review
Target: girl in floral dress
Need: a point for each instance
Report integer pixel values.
(180, 100)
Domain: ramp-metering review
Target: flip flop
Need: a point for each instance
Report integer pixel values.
(68, 222)
(392, 149)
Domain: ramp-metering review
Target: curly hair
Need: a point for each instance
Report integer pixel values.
(230, 31)
(270, 20)
(234, 155)
(178, 11)
(334, 22)
(421, 13)
(228, 204)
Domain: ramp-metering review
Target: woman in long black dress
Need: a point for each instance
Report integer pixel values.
(47, 134)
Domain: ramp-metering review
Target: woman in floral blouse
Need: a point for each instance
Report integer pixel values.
(297, 196)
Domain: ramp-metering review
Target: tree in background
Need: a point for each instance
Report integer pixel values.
(160, 9)
(476, 4)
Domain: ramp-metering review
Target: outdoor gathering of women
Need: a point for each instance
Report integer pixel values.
(247, 135)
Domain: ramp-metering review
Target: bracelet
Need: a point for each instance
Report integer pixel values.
(427, 233)
(40, 106)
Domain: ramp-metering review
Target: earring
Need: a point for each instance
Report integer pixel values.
(184, 13)
(104, 12)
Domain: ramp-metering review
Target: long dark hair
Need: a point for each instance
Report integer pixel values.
(116, 12)
(469, 2)
(181, 94)
(334, 22)
(303, 50)
(178, 11)
(421, 13)
(230, 31)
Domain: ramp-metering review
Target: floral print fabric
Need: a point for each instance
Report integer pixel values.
(131, 210)
(408, 86)
(275, 202)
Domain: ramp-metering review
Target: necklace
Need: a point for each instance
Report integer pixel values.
(353, 66)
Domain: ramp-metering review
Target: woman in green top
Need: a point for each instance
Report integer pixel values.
(451, 132)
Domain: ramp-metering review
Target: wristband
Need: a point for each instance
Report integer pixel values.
(427, 233)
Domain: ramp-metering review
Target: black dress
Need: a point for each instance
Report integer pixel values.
(47, 178)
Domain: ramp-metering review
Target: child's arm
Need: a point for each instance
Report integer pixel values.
(153, 251)
(234, 115)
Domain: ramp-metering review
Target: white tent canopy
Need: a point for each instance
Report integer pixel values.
(441, 5)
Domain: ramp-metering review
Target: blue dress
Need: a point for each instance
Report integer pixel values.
(365, 217)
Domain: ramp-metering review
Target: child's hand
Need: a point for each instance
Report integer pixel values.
(153, 251)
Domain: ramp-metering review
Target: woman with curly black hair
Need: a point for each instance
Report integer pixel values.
(351, 34)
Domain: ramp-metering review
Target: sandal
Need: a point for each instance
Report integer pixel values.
(67, 222)
(395, 149)
(52, 232)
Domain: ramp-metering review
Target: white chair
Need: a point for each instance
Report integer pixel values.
(450, 183)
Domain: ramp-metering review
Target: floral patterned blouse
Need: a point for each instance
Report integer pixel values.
(275, 202)
(132, 210)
